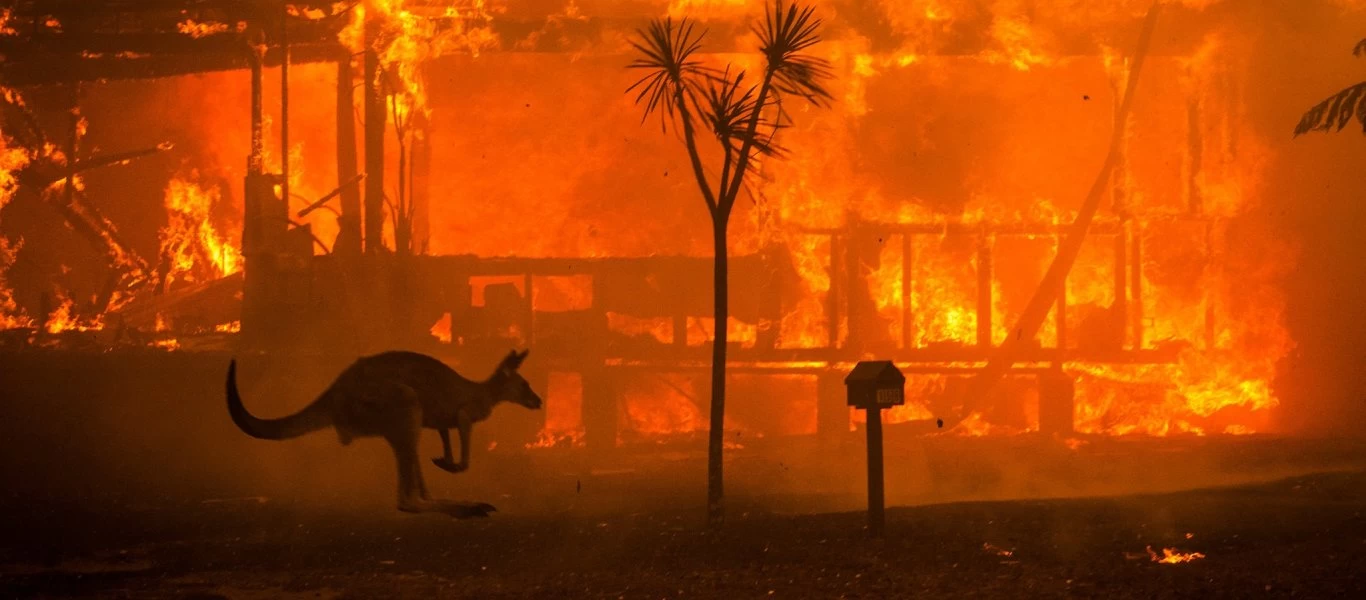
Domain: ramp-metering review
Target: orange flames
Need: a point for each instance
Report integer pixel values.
(408, 39)
(190, 242)
(924, 132)
(66, 319)
(1172, 556)
(196, 29)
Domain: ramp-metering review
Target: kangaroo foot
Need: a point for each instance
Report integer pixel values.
(449, 466)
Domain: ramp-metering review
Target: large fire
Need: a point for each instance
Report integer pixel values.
(928, 166)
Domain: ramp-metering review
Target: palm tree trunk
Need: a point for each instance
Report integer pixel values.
(716, 433)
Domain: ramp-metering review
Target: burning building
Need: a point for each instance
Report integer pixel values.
(459, 177)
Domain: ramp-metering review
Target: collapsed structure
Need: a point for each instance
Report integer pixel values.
(900, 226)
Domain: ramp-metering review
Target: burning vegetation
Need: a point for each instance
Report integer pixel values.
(468, 173)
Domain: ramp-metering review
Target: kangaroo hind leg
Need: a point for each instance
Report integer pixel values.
(412, 490)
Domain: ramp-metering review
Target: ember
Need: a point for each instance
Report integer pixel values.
(1172, 556)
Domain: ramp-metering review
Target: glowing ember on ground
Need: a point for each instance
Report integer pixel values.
(1172, 556)
(998, 551)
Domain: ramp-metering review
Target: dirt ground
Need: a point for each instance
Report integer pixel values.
(1301, 537)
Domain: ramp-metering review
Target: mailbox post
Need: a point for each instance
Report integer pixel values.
(873, 386)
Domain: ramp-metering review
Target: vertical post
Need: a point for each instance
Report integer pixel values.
(284, 104)
(419, 194)
(1136, 284)
(984, 292)
(346, 154)
(254, 282)
(832, 299)
(254, 158)
(1061, 322)
(907, 311)
(529, 336)
(876, 518)
(374, 136)
(1121, 306)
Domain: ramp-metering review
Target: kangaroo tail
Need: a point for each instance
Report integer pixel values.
(312, 418)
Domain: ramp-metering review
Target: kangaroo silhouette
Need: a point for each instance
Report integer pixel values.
(394, 395)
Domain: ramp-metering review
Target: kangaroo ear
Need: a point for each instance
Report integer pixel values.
(512, 361)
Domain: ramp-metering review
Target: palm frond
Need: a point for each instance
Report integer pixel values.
(784, 37)
(728, 106)
(1334, 113)
(667, 52)
(1360, 49)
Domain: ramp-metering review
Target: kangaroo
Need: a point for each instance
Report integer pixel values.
(394, 395)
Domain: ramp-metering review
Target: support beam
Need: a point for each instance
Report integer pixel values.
(984, 278)
(374, 139)
(1060, 319)
(1121, 306)
(1136, 284)
(348, 238)
(907, 310)
(833, 296)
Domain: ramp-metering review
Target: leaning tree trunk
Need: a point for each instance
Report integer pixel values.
(721, 314)
(1045, 296)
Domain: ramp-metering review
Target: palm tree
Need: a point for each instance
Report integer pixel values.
(1334, 113)
(744, 119)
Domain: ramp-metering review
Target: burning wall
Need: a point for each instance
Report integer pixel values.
(949, 112)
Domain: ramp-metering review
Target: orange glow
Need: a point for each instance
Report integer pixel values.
(196, 250)
(6, 15)
(229, 327)
(66, 319)
(1172, 556)
(927, 145)
(563, 413)
(196, 29)
(662, 405)
(996, 550)
(441, 330)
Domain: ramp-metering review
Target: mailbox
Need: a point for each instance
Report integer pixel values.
(876, 384)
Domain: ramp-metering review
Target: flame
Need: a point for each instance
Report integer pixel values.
(408, 40)
(662, 405)
(190, 242)
(11, 316)
(196, 29)
(6, 16)
(66, 319)
(441, 330)
(563, 413)
(229, 327)
(1172, 556)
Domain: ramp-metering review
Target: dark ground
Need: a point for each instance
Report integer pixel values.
(1302, 537)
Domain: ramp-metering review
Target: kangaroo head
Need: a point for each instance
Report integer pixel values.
(512, 387)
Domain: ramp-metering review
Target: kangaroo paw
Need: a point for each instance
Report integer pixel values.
(446, 465)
